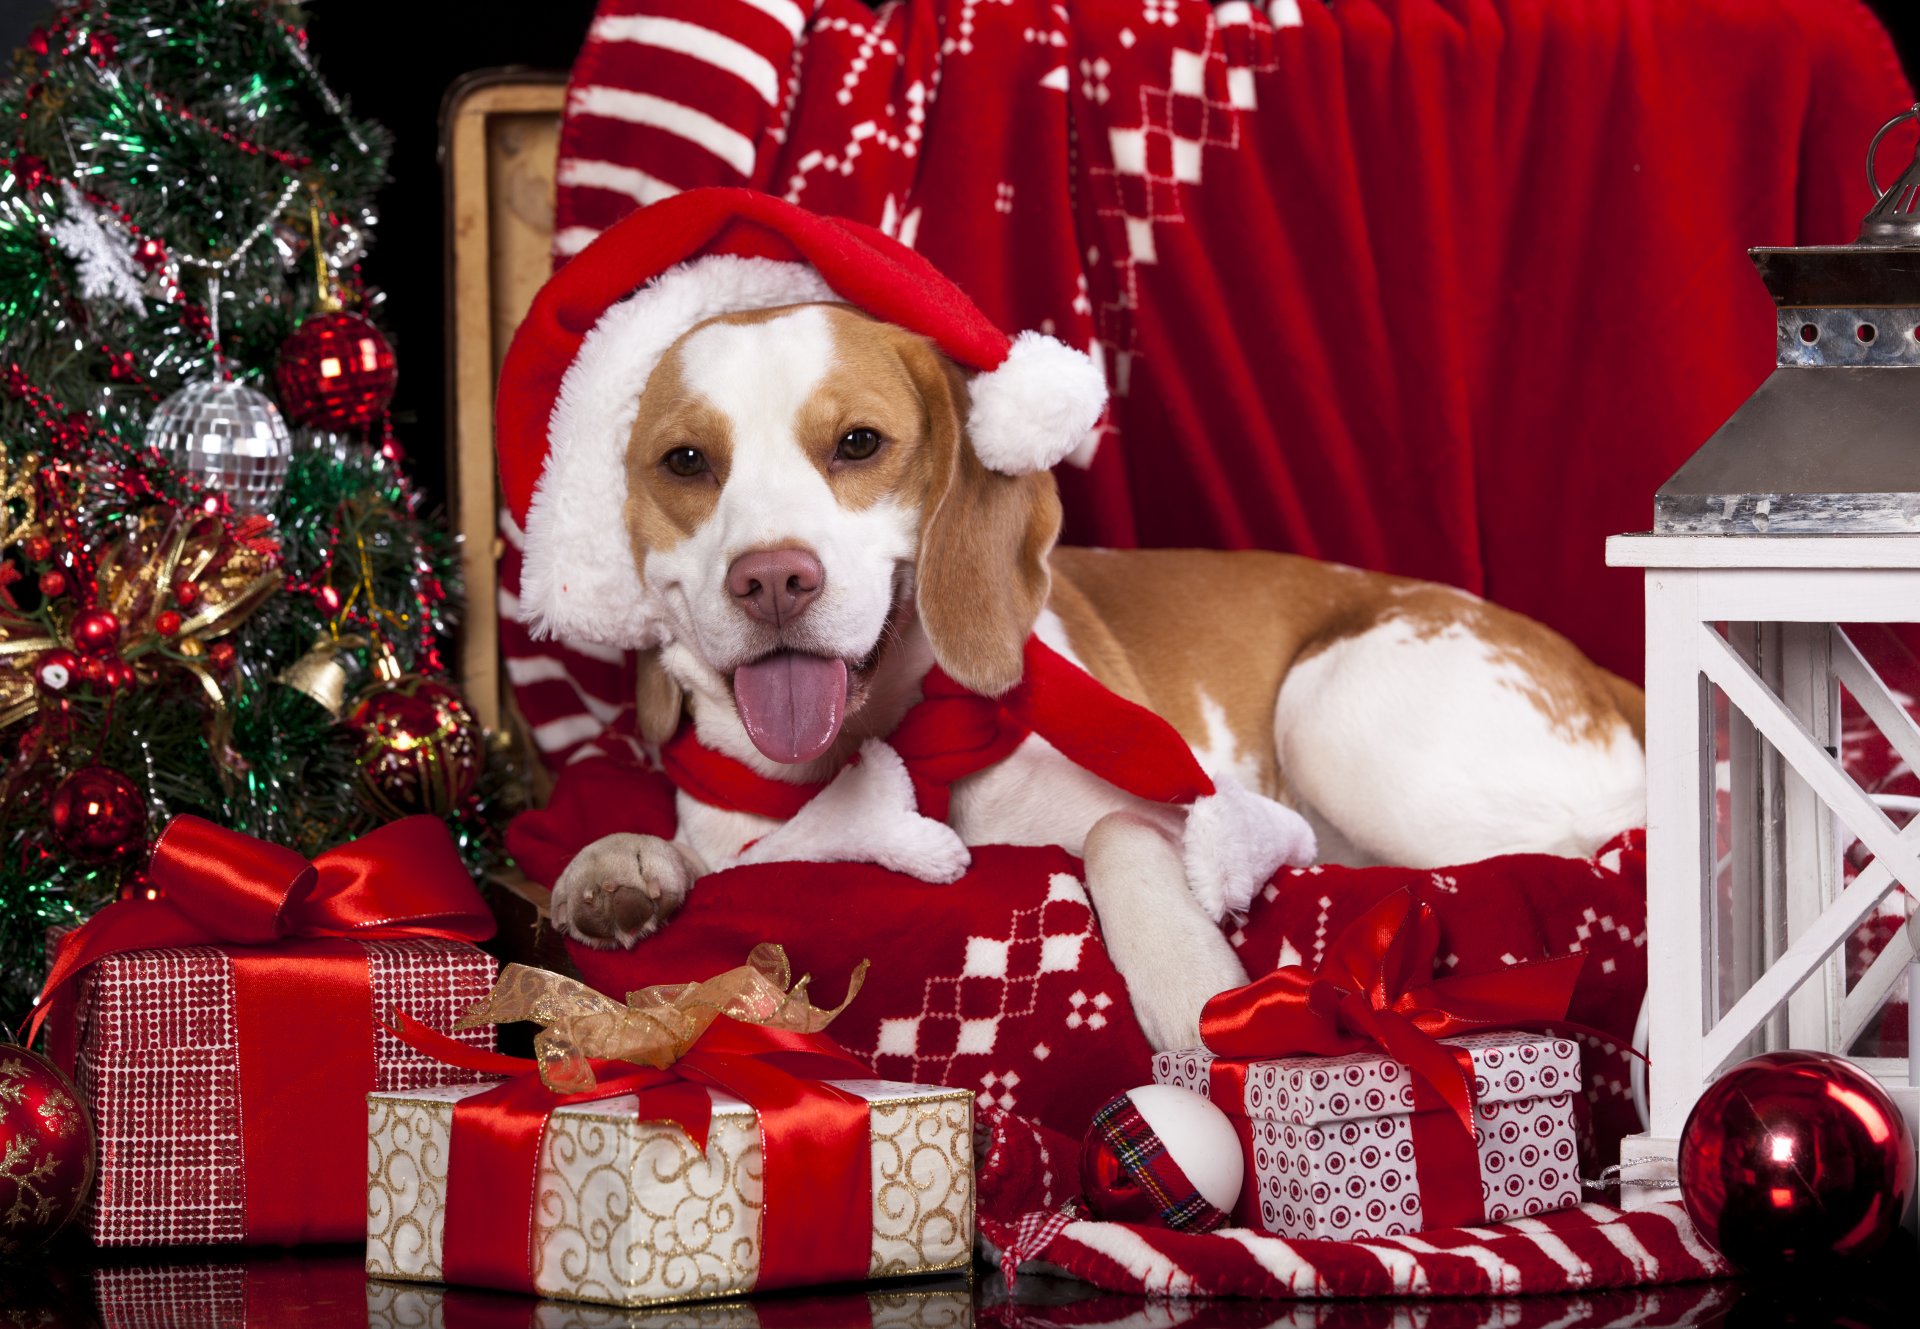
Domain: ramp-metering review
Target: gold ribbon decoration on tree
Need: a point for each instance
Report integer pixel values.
(198, 574)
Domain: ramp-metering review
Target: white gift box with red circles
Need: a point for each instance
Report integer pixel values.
(1330, 1141)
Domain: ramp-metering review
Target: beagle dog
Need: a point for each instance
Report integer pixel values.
(805, 507)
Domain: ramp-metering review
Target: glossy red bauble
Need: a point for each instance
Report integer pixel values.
(185, 593)
(38, 548)
(221, 655)
(97, 814)
(53, 583)
(95, 631)
(166, 622)
(420, 747)
(1795, 1158)
(335, 372)
(47, 1142)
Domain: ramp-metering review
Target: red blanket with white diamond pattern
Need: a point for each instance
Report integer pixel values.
(999, 983)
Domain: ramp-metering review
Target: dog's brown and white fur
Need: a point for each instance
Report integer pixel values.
(1407, 722)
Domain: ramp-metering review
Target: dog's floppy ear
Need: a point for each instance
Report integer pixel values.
(656, 696)
(982, 576)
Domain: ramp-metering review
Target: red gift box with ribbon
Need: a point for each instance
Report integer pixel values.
(1373, 1099)
(225, 1033)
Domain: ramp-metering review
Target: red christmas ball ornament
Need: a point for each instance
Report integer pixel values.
(53, 583)
(335, 372)
(166, 622)
(150, 254)
(1796, 1158)
(185, 593)
(47, 1147)
(38, 548)
(1163, 1155)
(95, 631)
(57, 670)
(97, 814)
(420, 747)
(221, 655)
(116, 674)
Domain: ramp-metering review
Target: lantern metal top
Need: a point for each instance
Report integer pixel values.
(1830, 443)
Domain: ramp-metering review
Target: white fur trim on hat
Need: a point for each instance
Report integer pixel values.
(578, 581)
(1036, 407)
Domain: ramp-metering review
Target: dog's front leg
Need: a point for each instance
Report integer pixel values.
(1172, 956)
(621, 888)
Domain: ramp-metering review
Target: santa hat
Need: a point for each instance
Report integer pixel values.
(572, 378)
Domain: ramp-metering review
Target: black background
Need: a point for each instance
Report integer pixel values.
(394, 59)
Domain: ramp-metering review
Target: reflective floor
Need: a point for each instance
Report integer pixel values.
(74, 1285)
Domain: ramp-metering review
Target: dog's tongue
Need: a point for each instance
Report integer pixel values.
(792, 704)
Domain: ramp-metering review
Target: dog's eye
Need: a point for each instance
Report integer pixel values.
(857, 444)
(685, 461)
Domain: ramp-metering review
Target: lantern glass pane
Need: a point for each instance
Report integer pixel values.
(1743, 855)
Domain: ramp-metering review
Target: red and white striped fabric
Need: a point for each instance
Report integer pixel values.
(1574, 1250)
(1029, 1175)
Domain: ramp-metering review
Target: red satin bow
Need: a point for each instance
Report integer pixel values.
(1376, 989)
(816, 1224)
(220, 886)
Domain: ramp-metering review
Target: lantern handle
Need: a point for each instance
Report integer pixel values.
(1911, 113)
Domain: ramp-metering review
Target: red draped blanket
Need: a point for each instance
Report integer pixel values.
(1438, 287)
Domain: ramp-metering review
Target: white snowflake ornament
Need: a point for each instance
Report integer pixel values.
(102, 250)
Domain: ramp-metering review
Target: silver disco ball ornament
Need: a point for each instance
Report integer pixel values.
(227, 436)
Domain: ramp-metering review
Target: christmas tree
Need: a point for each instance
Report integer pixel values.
(218, 594)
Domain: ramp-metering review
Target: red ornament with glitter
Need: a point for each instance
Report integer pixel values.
(46, 1151)
(1793, 1159)
(335, 372)
(420, 747)
(97, 814)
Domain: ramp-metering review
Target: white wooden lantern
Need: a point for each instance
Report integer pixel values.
(1800, 514)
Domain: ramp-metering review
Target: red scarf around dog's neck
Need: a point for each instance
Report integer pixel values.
(954, 733)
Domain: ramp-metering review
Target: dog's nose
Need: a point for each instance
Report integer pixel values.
(775, 585)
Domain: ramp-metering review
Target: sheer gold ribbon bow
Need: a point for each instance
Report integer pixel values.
(657, 1025)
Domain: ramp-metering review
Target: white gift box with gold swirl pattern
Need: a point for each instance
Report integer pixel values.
(629, 1213)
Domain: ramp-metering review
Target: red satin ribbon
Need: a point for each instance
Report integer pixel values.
(303, 1005)
(1376, 988)
(816, 1222)
(953, 733)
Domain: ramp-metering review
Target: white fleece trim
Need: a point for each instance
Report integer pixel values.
(578, 580)
(867, 815)
(1235, 840)
(1038, 406)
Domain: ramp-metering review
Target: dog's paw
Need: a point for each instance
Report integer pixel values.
(868, 815)
(619, 889)
(1235, 840)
